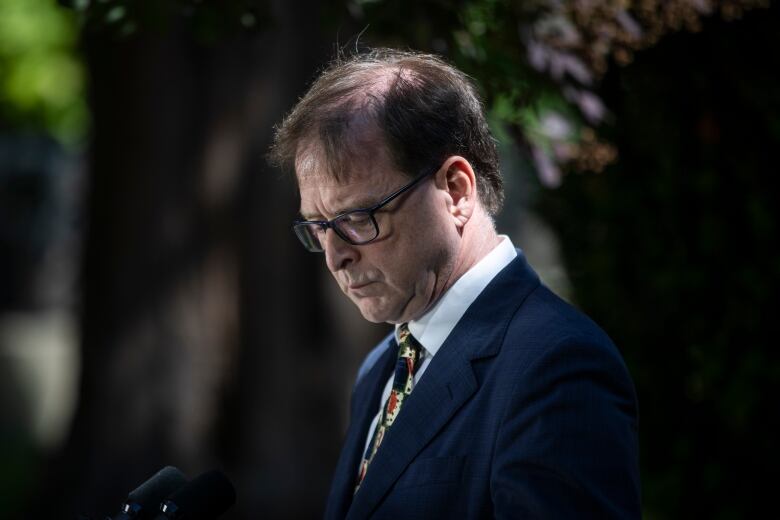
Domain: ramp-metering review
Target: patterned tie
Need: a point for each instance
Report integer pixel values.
(410, 356)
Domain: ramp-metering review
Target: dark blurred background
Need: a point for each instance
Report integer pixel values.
(156, 309)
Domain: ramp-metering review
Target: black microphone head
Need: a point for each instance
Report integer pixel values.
(144, 501)
(206, 497)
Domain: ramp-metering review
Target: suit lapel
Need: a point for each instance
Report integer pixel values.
(447, 383)
(366, 396)
(437, 396)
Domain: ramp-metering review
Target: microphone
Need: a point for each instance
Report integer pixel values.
(205, 498)
(143, 501)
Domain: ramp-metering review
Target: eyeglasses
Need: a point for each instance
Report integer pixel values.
(357, 227)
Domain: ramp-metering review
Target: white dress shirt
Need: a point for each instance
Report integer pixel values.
(435, 325)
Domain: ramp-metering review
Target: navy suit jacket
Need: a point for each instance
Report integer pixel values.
(526, 411)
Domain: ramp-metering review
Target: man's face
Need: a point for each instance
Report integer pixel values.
(399, 275)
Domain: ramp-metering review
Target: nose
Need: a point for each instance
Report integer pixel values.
(338, 253)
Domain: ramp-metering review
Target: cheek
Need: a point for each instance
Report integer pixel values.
(414, 253)
(410, 272)
(400, 263)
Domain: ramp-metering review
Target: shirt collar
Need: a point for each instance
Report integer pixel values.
(435, 325)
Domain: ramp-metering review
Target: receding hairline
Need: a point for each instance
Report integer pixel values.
(311, 158)
(362, 127)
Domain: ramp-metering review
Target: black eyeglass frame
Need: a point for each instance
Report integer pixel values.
(333, 223)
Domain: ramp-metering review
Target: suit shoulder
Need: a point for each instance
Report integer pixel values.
(544, 319)
(547, 330)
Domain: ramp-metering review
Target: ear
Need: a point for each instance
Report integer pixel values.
(457, 179)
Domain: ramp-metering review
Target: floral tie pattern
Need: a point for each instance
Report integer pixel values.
(410, 356)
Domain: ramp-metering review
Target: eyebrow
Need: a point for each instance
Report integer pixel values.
(360, 204)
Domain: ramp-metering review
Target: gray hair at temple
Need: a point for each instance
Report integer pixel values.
(424, 108)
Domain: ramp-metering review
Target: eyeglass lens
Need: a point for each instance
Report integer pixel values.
(357, 227)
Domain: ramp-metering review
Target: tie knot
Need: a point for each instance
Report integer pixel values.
(408, 346)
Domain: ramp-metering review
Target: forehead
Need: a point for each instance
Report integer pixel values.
(365, 180)
(362, 158)
(340, 149)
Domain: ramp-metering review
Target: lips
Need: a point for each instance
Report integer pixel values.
(355, 286)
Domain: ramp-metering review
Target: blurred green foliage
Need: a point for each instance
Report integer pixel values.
(42, 84)
(209, 21)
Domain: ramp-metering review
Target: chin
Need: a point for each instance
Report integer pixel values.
(374, 315)
(375, 312)
(383, 313)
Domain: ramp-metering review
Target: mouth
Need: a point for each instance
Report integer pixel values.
(356, 286)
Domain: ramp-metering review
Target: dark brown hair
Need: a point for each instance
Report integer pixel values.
(425, 109)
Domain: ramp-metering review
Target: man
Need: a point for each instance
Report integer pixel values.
(493, 397)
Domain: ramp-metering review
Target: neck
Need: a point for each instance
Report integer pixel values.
(478, 238)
